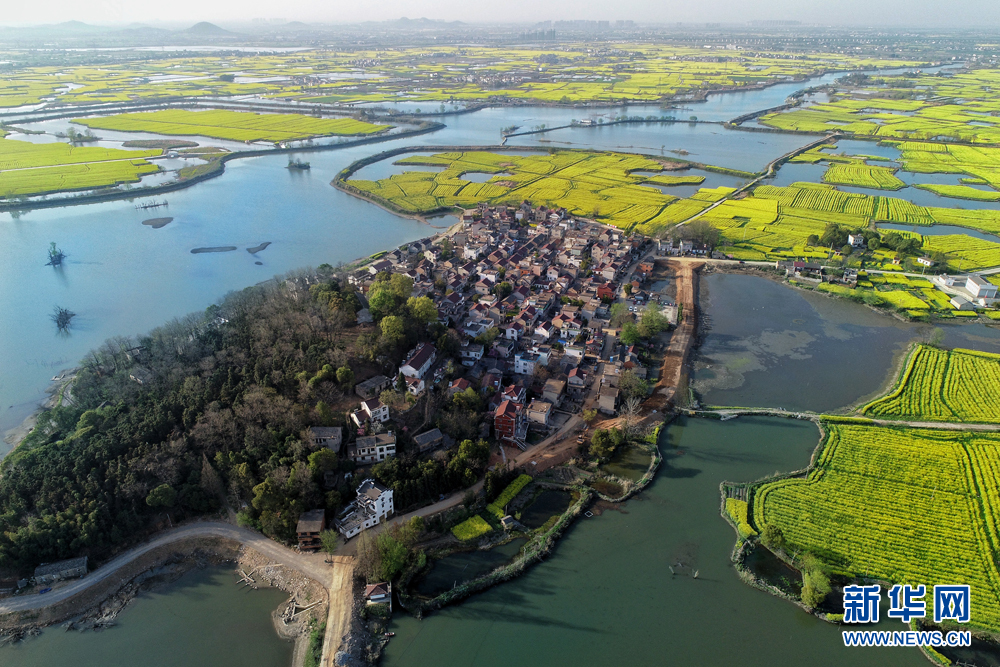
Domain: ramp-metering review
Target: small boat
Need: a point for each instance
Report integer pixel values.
(390, 634)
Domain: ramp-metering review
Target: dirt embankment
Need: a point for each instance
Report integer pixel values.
(673, 373)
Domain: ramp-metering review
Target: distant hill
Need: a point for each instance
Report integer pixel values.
(76, 26)
(206, 28)
(295, 25)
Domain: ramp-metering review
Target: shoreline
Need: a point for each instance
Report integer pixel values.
(15, 435)
(98, 606)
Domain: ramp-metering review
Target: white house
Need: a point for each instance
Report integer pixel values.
(419, 361)
(376, 410)
(471, 353)
(372, 505)
(372, 448)
(856, 240)
(524, 362)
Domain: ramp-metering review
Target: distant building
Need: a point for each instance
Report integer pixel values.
(380, 593)
(510, 423)
(64, 569)
(310, 525)
(540, 412)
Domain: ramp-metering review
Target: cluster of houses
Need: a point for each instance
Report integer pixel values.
(542, 284)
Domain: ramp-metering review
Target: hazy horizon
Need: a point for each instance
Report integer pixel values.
(887, 14)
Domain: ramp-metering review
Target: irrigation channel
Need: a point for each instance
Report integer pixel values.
(607, 594)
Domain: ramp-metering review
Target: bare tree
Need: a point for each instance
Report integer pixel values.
(630, 415)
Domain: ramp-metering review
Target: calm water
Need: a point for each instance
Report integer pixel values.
(771, 345)
(607, 596)
(201, 619)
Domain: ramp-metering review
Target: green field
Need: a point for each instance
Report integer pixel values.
(588, 184)
(232, 125)
(943, 385)
(34, 169)
(898, 505)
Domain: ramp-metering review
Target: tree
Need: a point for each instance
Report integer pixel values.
(487, 337)
(589, 416)
(322, 460)
(503, 289)
(628, 289)
(393, 329)
(162, 496)
(630, 384)
(630, 334)
(329, 539)
(422, 309)
(815, 581)
(652, 321)
(619, 314)
(772, 537)
(345, 376)
(604, 442)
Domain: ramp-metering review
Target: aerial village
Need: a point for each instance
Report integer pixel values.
(531, 293)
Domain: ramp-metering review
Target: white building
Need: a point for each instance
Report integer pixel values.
(376, 410)
(372, 448)
(419, 361)
(524, 363)
(856, 240)
(371, 507)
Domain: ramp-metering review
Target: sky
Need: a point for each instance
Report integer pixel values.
(886, 13)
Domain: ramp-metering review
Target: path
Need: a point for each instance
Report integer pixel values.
(675, 359)
(767, 173)
(336, 576)
(815, 416)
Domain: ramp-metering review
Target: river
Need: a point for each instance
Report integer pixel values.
(203, 618)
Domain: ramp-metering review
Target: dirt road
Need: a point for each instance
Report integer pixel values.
(673, 369)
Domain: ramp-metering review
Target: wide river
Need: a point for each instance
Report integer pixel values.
(607, 596)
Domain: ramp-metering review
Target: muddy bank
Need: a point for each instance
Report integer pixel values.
(221, 248)
(257, 248)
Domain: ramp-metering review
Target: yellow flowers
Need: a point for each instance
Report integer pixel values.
(944, 385)
(232, 125)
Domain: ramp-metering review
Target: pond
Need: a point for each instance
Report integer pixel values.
(454, 569)
(548, 504)
(629, 463)
(769, 344)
